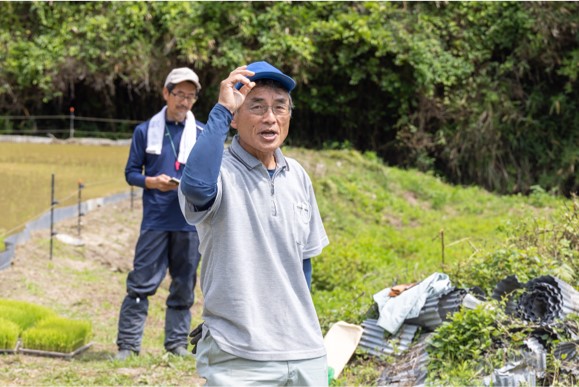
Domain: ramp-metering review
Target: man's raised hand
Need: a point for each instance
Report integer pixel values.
(229, 96)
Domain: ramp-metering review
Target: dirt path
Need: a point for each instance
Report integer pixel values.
(88, 282)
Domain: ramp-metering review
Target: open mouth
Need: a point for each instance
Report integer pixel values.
(268, 134)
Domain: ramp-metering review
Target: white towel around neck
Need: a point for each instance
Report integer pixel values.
(156, 132)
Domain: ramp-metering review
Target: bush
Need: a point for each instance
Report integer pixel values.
(533, 248)
(457, 346)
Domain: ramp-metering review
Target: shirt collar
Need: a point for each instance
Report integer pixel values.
(249, 160)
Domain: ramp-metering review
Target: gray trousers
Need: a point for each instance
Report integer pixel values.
(220, 368)
(157, 251)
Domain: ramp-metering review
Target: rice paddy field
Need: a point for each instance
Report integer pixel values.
(26, 171)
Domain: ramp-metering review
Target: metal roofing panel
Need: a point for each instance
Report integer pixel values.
(410, 369)
(374, 338)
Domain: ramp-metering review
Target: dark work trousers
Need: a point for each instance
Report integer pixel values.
(157, 251)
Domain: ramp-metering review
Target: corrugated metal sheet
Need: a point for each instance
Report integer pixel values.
(514, 374)
(547, 298)
(451, 303)
(525, 370)
(505, 288)
(568, 354)
(411, 368)
(536, 356)
(543, 299)
(375, 342)
(438, 309)
(567, 350)
(429, 316)
(570, 296)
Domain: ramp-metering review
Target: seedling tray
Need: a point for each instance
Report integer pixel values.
(36, 352)
(10, 351)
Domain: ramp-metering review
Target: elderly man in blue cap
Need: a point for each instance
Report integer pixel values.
(258, 222)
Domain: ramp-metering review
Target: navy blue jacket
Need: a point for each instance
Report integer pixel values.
(161, 210)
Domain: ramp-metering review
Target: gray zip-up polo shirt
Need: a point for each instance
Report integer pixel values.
(253, 239)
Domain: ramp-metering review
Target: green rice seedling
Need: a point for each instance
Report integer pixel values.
(100, 168)
(23, 313)
(57, 334)
(19, 317)
(9, 332)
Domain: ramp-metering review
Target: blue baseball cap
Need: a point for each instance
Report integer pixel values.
(264, 70)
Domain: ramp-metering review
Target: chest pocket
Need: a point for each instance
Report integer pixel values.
(302, 216)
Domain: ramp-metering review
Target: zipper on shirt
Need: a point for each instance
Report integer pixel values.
(272, 192)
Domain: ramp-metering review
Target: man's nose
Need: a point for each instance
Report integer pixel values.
(269, 114)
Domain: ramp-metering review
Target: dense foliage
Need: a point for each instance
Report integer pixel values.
(480, 92)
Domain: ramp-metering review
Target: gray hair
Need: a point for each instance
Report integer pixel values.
(274, 85)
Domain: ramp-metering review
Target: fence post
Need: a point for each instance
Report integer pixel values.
(71, 122)
(53, 202)
(442, 246)
(80, 213)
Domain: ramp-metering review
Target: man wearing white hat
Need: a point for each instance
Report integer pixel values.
(159, 149)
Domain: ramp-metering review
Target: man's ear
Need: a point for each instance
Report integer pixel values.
(233, 123)
(165, 93)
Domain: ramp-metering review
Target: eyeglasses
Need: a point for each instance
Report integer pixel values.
(182, 96)
(278, 110)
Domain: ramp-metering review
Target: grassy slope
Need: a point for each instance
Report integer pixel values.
(384, 226)
(389, 226)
